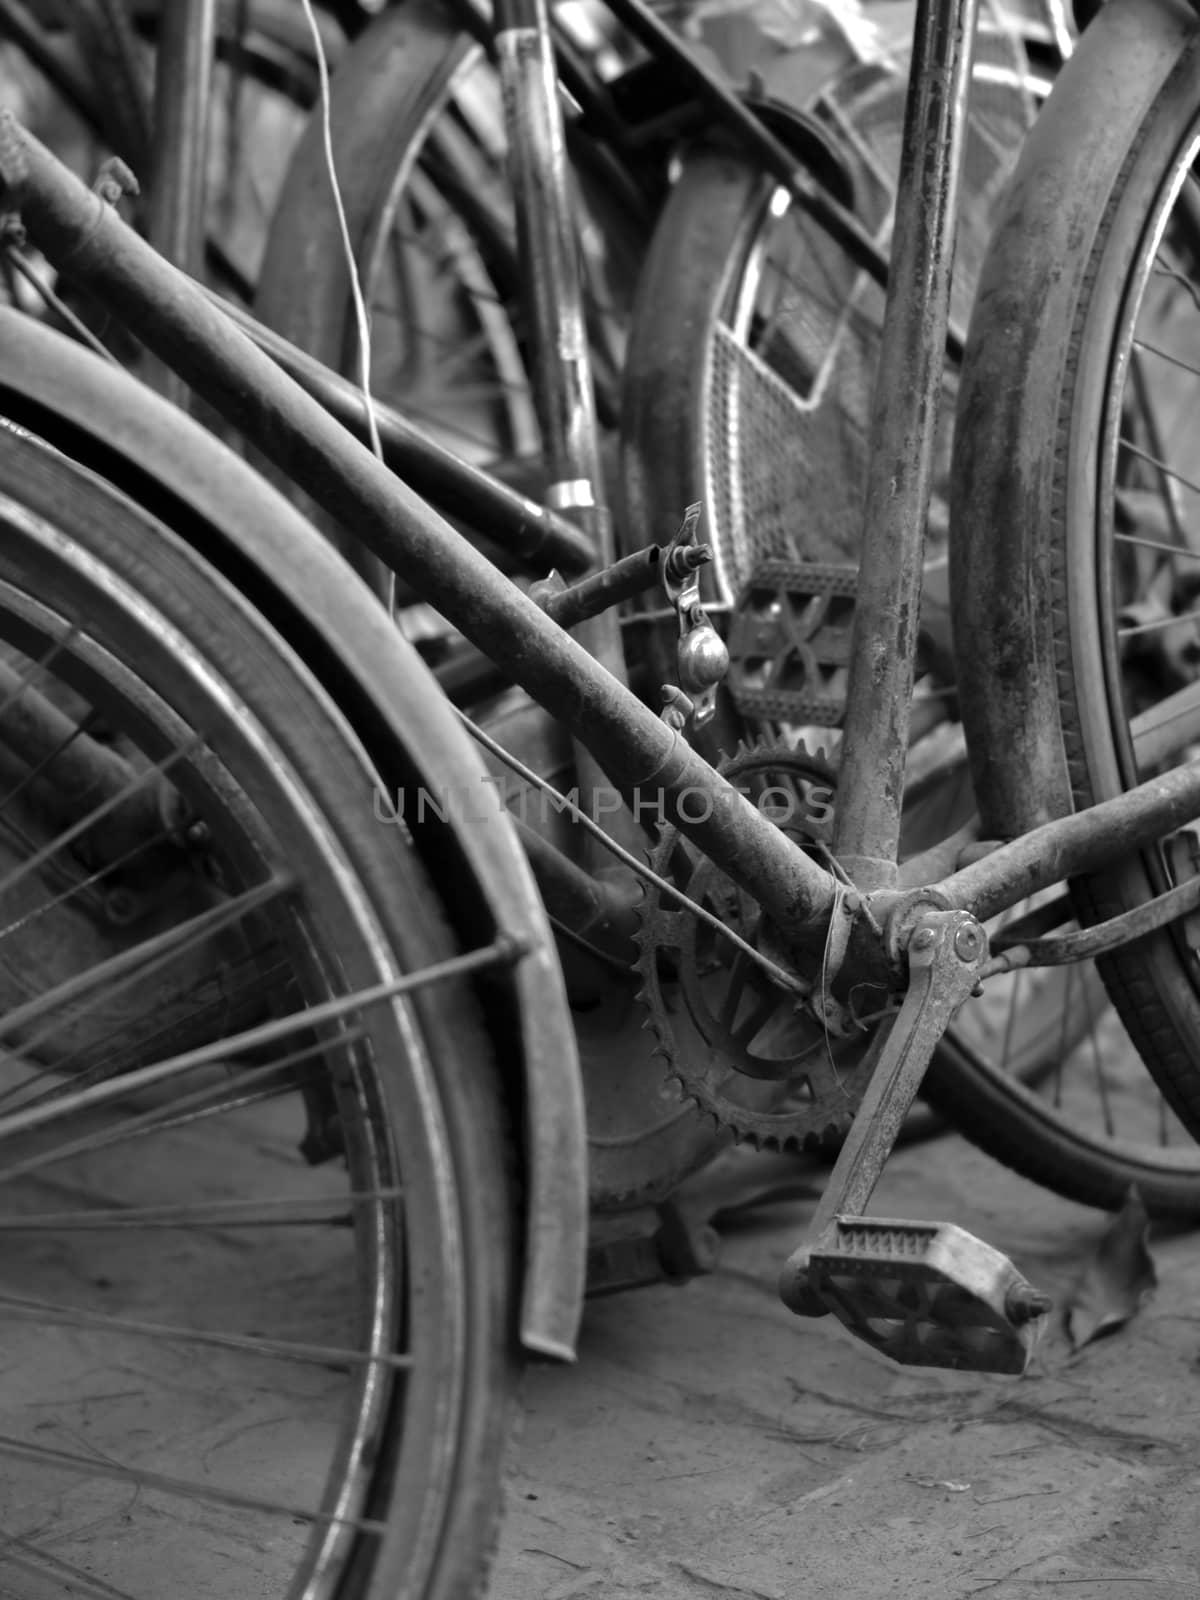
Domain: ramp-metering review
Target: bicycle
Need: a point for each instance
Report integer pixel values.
(899, 1285)
(647, 1145)
(416, 99)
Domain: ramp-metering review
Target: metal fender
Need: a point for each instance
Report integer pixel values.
(1006, 418)
(122, 430)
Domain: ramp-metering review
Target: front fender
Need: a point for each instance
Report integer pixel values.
(127, 434)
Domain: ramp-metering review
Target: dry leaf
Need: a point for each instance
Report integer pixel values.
(1117, 1281)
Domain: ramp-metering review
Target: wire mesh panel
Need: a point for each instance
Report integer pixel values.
(791, 373)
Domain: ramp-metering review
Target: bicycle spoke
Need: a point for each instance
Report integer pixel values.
(1163, 270)
(40, 768)
(1159, 466)
(1143, 543)
(500, 953)
(87, 881)
(1165, 355)
(1157, 447)
(1133, 630)
(15, 685)
(225, 1006)
(20, 1309)
(183, 1488)
(274, 1211)
(24, 1554)
(1166, 728)
(200, 1103)
(130, 966)
(78, 829)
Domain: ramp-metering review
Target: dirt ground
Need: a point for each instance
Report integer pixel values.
(709, 1445)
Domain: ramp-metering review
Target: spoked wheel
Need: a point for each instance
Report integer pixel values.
(1089, 427)
(753, 354)
(258, 1286)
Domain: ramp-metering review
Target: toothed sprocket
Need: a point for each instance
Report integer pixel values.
(746, 1051)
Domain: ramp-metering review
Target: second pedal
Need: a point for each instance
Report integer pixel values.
(926, 1294)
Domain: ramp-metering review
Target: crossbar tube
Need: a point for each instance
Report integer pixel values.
(86, 239)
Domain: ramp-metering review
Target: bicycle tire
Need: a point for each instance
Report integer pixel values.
(135, 620)
(1079, 238)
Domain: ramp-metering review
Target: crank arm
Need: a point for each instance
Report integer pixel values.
(945, 954)
(923, 1293)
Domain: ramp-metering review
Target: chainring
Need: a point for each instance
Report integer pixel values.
(742, 1049)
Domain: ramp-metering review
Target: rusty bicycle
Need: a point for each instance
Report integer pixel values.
(222, 691)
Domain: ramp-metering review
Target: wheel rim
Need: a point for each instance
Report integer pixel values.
(307, 1458)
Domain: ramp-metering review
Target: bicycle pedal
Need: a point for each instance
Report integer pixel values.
(927, 1294)
(790, 641)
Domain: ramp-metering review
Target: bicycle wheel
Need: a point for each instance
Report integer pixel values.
(1100, 235)
(222, 1348)
(753, 352)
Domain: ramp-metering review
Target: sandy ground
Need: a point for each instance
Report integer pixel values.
(710, 1444)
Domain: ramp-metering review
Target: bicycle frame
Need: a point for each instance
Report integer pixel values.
(185, 54)
(75, 228)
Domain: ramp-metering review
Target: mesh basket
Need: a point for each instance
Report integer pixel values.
(792, 365)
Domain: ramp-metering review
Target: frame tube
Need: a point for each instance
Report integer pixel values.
(78, 233)
(1073, 845)
(183, 86)
(552, 290)
(539, 537)
(903, 435)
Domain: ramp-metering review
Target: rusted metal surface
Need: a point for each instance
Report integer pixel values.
(537, 535)
(1074, 845)
(182, 97)
(631, 575)
(175, 319)
(123, 429)
(549, 254)
(777, 1075)
(552, 294)
(902, 442)
(701, 656)
(945, 955)
(183, 88)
